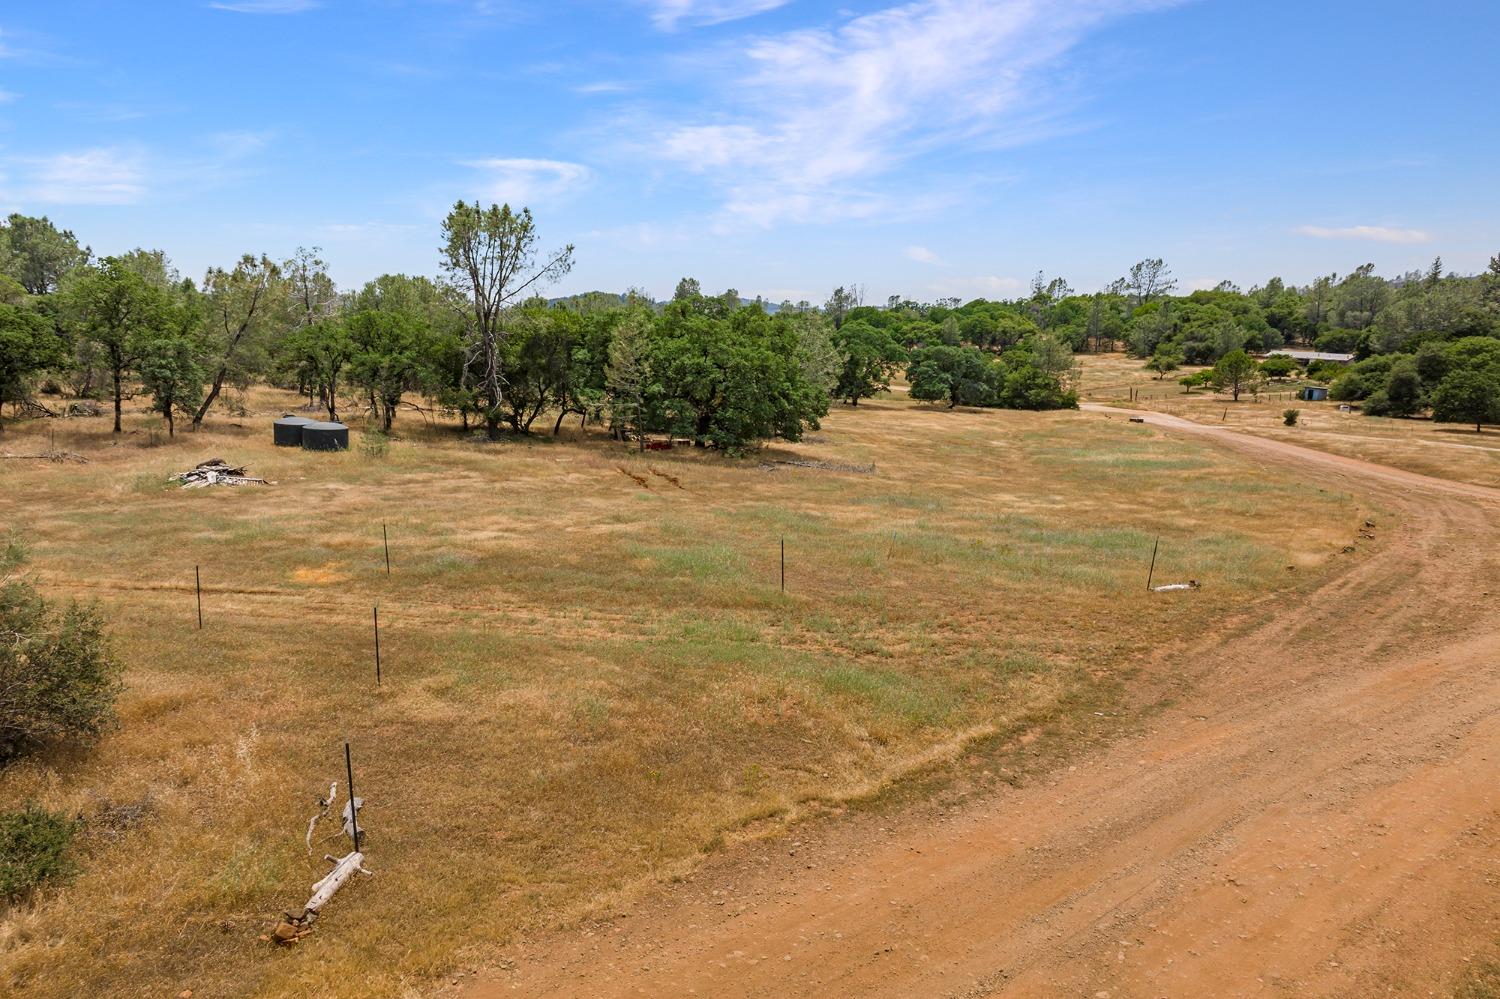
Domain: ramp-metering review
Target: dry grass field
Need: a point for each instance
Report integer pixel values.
(1445, 450)
(589, 682)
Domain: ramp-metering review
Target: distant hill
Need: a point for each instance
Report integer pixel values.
(590, 301)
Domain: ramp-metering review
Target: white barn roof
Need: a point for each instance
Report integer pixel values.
(1313, 355)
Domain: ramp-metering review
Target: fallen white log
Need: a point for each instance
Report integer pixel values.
(1191, 584)
(344, 868)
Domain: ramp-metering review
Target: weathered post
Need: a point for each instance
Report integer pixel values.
(387, 539)
(377, 645)
(1150, 573)
(198, 585)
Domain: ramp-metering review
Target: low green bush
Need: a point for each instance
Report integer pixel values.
(33, 849)
(58, 680)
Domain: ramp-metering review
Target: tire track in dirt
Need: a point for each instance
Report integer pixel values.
(1319, 817)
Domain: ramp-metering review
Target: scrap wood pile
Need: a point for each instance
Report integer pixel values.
(216, 472)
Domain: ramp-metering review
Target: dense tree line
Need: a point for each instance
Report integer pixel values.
(482, 343)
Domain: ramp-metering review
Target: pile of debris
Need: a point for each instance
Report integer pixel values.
(216, 472)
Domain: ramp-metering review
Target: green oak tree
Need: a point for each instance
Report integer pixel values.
(113, 307)
(169, 364)
(1468, 395)
(870, 357)
(1235, 372)
(38, 254)
(964, 376)
(28, 345)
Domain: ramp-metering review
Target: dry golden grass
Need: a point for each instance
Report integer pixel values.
(1445, 450)
(588, 683)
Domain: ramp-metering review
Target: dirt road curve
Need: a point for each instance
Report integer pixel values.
(1321, 819)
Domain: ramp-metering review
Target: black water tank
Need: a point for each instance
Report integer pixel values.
(325, 437)
(288, 431)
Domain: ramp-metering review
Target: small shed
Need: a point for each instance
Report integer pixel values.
(325, 437)
(287, 431)
(1314, 393)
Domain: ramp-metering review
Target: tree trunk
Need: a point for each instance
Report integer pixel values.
(557, 427)
(208, 400)
(117, 400)
(171, 428)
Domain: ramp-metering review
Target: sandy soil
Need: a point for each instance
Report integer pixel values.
(1319, 817)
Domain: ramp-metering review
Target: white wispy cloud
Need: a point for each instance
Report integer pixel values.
(238, 145)
(1367, 233)
(107, 175)
(602, 87)
(129, 173)
(9, 96)
(669, 14)
(523, 181)
(265, 6)
(809, 118)
(922, 255)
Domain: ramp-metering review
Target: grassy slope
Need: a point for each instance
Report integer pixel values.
(588, 683)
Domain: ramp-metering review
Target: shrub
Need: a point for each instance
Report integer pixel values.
(1324, 371)
(374, 444)
(58, 681)
(33, 848)
(1289, 416)
(1027, 387)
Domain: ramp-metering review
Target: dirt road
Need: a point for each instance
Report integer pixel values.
(1320, 817)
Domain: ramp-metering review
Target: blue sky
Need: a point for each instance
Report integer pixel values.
(929, 148)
